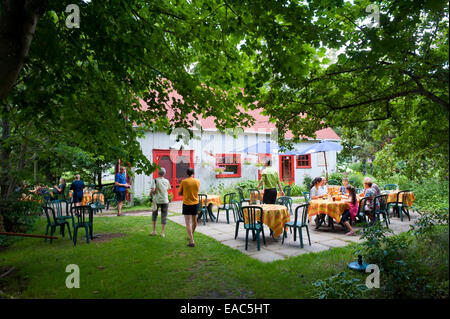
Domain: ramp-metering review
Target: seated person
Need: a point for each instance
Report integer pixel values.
(318, 188)
(343, 189)
(369, 193)
(352, 212)
(59, 190)
(374, 186)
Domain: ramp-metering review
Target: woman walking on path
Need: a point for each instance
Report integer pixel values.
(189, 188)
(160, 192)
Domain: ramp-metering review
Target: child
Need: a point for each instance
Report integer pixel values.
(342, 190)
(350, 213)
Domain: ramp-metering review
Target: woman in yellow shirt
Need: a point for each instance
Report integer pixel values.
(189, 188)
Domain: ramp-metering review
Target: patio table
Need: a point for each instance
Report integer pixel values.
(210, 202)
(274, 216)
(392, 197)
(330, 208)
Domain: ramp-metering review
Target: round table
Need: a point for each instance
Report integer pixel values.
(274, 216)
(211, 200)
(334, 209)
(392, 197)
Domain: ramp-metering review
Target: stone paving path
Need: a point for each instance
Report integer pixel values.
(321, 239)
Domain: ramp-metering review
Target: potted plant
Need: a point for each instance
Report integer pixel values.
(219, 170)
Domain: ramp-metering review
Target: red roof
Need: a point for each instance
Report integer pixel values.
(262, 123)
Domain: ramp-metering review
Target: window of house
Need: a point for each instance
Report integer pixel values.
(231, 163)
(304, 161)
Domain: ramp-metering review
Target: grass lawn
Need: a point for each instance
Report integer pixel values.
(139, 266)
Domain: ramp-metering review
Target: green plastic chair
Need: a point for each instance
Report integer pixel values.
(96, 204)
(401, 207)
(389, 187)
(61, 208)
(53, 222)
(362, 213)
(306, 196)
(109, 196)
(253, 224)
(202, 207)
(238, 216)
(227, 206)
(84, 218)
(258, 197)
(242, 199)
(286, 201)
(298, 224)
(382, 208)
(287, 190)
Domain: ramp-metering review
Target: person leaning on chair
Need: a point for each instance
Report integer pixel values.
(270, 180)
(121, 189)
(189, 188)
(160, 194)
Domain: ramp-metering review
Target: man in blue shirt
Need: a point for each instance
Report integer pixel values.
(77, 187)
(121, 189)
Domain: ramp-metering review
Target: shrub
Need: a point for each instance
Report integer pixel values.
(307, 181)
(18, 215)
(357, 179)
(336, 176)
(341, 286)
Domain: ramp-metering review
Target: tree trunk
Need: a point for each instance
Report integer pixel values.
(18, 20)
(99, 178)
(5, 153)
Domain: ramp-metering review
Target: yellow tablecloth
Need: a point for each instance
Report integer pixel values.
(328, 207)
(333, 188)
(274, 216)
(254, 195)
(87, 197)
(392, 197)
(212, 199)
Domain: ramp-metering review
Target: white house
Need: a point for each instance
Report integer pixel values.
(210, 148)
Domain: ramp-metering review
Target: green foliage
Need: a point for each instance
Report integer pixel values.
(336, 176)
(18, 216)
(357, 178)
(413, 264)
(307, 181)
(340, 286)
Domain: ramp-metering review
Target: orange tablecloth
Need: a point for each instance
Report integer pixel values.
(274, 216)
(87, 197)
(392, 197)
(333, 188)
(212, 199)
(328, 207)
(254, 195)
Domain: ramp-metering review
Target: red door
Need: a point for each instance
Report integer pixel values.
(287, 169)
(175, 163)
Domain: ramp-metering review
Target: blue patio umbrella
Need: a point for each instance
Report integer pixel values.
(322, 147)
(267, 147)
(262, 147)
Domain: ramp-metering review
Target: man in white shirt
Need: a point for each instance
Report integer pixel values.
(160, 192)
